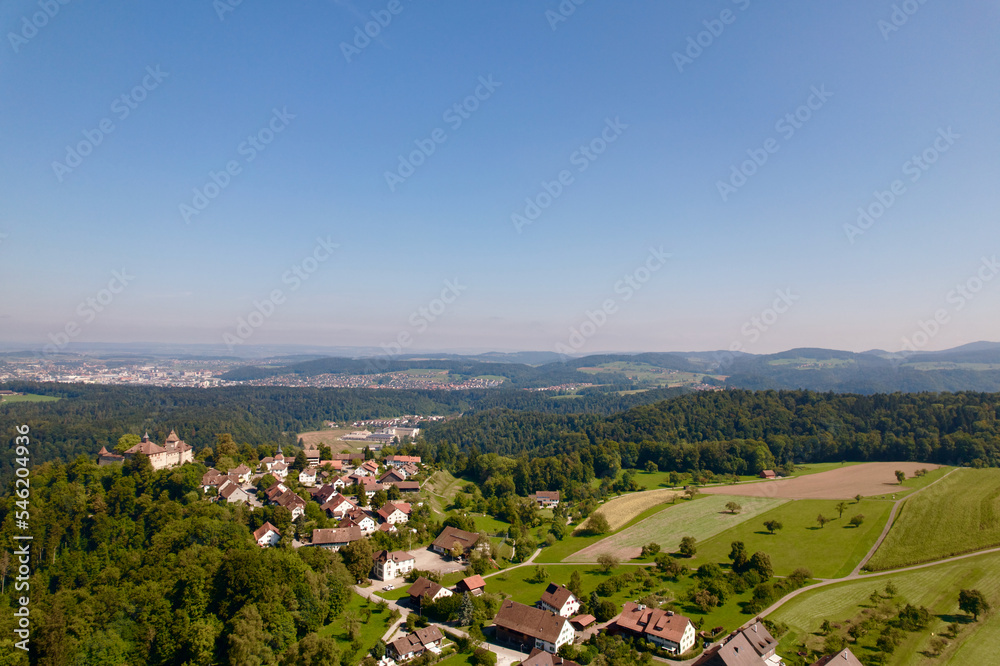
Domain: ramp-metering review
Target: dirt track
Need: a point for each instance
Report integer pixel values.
(844, 483)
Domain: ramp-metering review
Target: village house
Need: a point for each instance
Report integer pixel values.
(843, 658)
(279, 470)
(243, 473)
(267, 535)
(752, 646)
(307, 477)
(559, 600)
(543, 658)
(392, 476)
(450, 536)
(290, 501)
(336, 538)
(546, 499)
(173, 453)
(415, 644)
(394, 512)
(428, 590)
(389, 565)
(527, 627)
(338, 506)
(361, 518)
(399, 461)
(474, 585)
(664, 628)
(407, 486)
(232, 493)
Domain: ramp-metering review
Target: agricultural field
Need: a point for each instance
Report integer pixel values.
(621, 510)
(841, 483)
(28, 397)
(959, 514)
(331, 437)
(650, 374)
(573, 543)
(935, 587)
(701, 518)
(828, 552)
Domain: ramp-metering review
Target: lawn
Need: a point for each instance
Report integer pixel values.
(935, 587)
(960, 514)
(830, 552)
(371, 630)
(701, 518)
(28, 397)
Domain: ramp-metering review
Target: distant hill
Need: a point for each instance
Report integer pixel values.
(972, 367)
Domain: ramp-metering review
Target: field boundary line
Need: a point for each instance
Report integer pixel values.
(896, 508)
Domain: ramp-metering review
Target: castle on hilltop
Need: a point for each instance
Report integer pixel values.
(173, 453)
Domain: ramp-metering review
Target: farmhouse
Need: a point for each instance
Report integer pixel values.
(843, 658)
(664, 628)
(424, 588)
(392, 476)
(307, 477)
(173, 453)
(526, 627)
(243, 473)
(546, 499)
(474, 585)
(450, 536)
(390, 565)
(267, 535)
(768, 474)
(414, 645)
(407, 486)
(359, 517)
(292, 502)
(336, 538)
(559, 600)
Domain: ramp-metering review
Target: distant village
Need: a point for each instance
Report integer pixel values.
(345, 488)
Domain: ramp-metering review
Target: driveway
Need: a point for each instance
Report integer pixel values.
(428, 560)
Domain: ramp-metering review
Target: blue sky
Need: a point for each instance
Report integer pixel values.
(555, 86)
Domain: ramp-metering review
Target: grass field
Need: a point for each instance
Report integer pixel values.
(28, 397)
(701, 518)
(440, 491)
(571, 544)
(958, 515)
(830, 552)
(935, 587)
(371, 630)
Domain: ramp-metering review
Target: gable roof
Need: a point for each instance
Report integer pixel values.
(264, 529)
(396, 556)
(760, 638)
(547, 495)
(391, 507)
(542, 658)
(653, 621)
(418, 639)
(556, 595)
(473, 582)
(843, 658)
(737, 651)
(530, 621)
(424, 587)
(451, 535)
(336, 535)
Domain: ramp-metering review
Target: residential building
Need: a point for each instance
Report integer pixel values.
(173, 453)
(338, 506)
(664, 628)
(290, 501)
(452, 535)
(415, 644)
(361, 518)
(543, 658)
(843, 658)
(389, 565)
(307, 477)
(399, 461)
(546, 499)
(559, 600)
(394, 512)
(527, 627)
(428, 590)
(752, 646)
(336, 538)
(267, 535)
(392, 476)
(232, 493)
(243, 473)
(474, 585)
